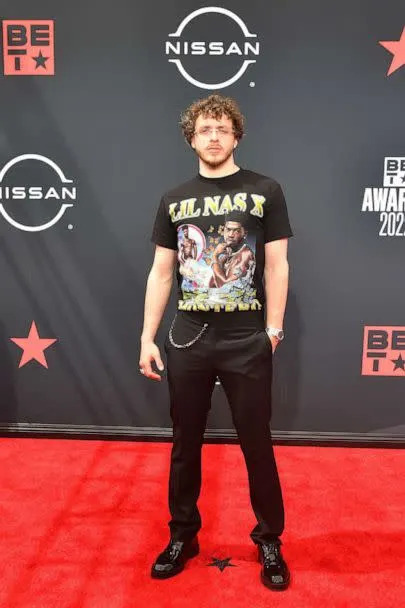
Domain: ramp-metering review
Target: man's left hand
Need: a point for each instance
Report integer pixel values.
(274, 342)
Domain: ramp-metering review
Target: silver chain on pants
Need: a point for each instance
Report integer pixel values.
(187, 343)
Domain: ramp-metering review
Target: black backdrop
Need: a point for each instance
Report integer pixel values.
(322, 115)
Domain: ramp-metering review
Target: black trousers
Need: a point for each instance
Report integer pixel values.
(236, 348)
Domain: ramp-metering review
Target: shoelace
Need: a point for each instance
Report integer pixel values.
(175, 549)
(271, 552)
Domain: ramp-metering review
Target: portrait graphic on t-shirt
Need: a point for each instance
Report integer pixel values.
(218, 229)
(217, 266)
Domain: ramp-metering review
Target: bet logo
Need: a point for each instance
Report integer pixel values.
(383, 351)
(28, 48)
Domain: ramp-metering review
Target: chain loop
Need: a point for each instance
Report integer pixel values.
(187, 343)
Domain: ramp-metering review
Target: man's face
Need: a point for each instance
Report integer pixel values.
(185, 232)
(214, 147)
(233, 233)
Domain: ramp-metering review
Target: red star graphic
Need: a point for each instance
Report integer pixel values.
(397, 48)
(33, 346)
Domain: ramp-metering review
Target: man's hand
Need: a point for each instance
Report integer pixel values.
(274, 342)
(220, 248)
(150, 352)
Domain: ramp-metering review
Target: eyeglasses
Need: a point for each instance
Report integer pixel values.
(208, 131)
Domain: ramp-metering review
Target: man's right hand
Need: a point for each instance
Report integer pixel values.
(150, 352)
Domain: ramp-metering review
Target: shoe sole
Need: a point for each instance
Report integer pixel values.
(192, 553)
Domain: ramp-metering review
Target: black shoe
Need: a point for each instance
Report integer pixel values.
(173, 559)
(275, 573)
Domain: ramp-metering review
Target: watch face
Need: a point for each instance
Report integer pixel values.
(278, 333)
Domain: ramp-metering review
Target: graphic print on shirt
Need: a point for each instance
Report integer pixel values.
(217, 266)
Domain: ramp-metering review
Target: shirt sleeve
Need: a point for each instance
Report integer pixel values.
(164, 233)
(276, 221)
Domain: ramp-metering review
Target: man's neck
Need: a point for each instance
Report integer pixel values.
(221, 171)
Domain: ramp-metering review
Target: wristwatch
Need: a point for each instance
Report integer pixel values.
(273, 331)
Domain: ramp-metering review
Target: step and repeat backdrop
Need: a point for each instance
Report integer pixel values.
(90, 99)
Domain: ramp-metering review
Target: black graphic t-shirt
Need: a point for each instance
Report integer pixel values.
(218, 226)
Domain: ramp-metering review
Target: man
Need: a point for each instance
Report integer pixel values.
(187, 247)
(237, 256)
(227, 325)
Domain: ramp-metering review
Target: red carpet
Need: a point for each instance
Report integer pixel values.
(81, 522)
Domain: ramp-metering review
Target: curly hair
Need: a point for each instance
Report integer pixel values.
(214, 106)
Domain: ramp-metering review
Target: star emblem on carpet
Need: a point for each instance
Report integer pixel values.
(221, 563)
